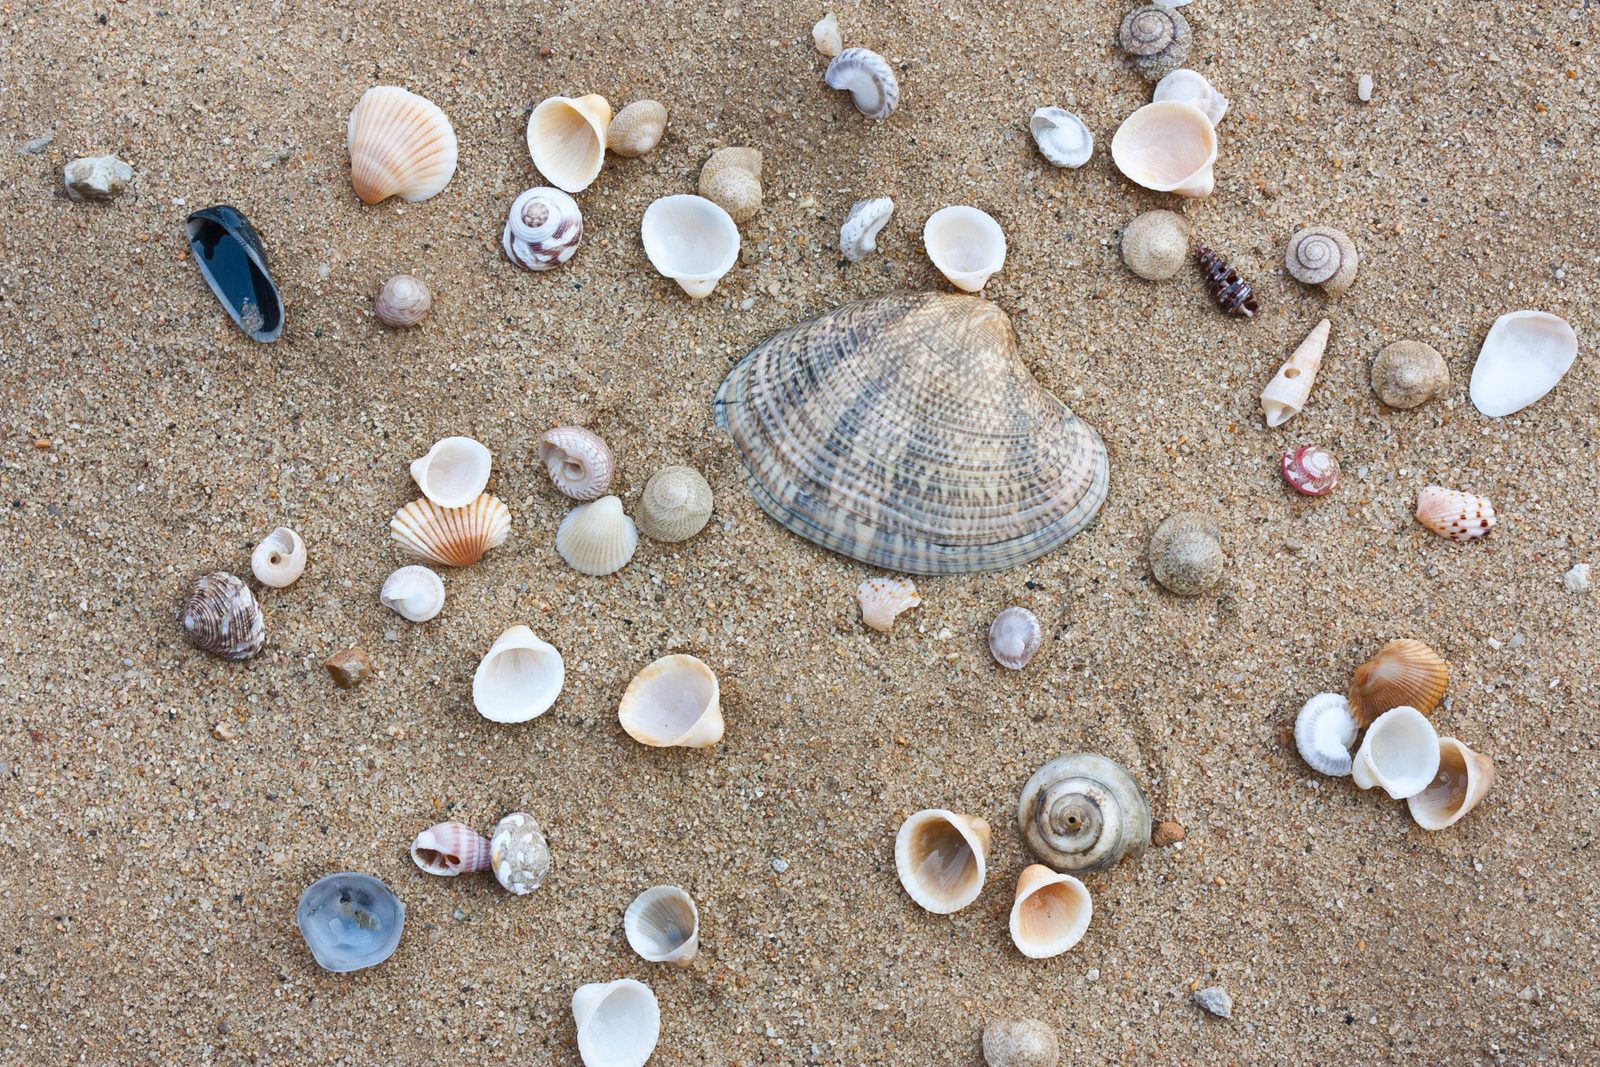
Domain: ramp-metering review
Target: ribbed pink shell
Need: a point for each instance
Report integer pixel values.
(450, 848)
(1454, 514)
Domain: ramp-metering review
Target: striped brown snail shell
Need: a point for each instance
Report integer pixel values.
(221, 616)
(543, 230)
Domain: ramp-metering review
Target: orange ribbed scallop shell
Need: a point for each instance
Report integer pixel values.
(1404, 673)
(400, 144)
(453, 537)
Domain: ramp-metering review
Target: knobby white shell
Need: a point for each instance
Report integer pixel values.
(1168, 146)
(1191, 87)
(579, 462)
(690, 240)
(279, 559)
(1323, 733)
(404, 300)
(415, 593)
(1463, 779)
(449, 849)
(597, 538)
(663, 926)
(1050, 914)
(869, 80)
(400, 145)
(454, 472)
(674, 702)
(1286, 394)
(1014, 637)
(941, 858)
(675, 504)
(1400, 754)
(519, 854)
(858, 237)
(454, 537)
(1453, 514)
(883, 599)
(567, 139)
(618, 1023)
(1525, 354)
(967, 245)
(543, 229)
(1062, 137)
(825, 35)
(518, 678)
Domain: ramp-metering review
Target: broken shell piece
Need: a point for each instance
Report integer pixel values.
(1453, 514)
(941, 858)
(1020, 1043)
(1403, 673)
(1323, 733)
(883, 599)
(454, 472)
(1155, 245)
(618, 1023)
(967, 245)
(567, 139)
(1081, 813)
(518, 853)
(673, 703)
(453, 537)
(1185, 554)
(350, 921)
(449, 849)
(415, 593)
(543, 229)
(1289, 389)
(1062, 137)
(869, 80)
(403, 301)
(825, 35)
(1169, 147)
(731, 179)
(637, 129)
(349, 668)
(1322, 255)
(1310, 469)
(675, 504)
(1408, 374)
(690, 240)
(518, 678)
(1191, 87)
(1400, 753)
(1166, 833)
(1523, 357)
(279, 559)
(1463, 779)
(221, 616)
(580, 464)
(597, 538)
(1014, 637)
(400, 145)
(858, 237)
(96, 178)
(1050, 914)
(1157, 38)
(663, 926)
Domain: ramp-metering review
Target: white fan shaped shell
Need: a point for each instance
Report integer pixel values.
(663, 925)
(1400, 754)
(518, 679)
(618, 1023)
(1323, 733)
(400, 144)
(597, 538)
(1525, 354)
(454, 472)
(690, 240)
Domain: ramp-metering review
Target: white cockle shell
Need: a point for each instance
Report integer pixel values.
(967, 245)
(454, 472)
(675, 504)
(1191, 87)
(542, 230)
(618, 1023)
(858, 237)
(400, 145)
(1168, 146)
(1323, 733)
(1463, 779)
(1050, 912)
(518, 678)
(1399, 753)
(883, 599)
(869, 80)
(567, 139)
(1014, 637)
(663, 926)
(597, 538)
(1287, 392)
(579, 462)
(1083, 812)
(449, 849)
(414, 593)
(279, 559)
(519, 854)
(941, 858)
(675, 702)
(690, 240)
(1525, 354)
(1062, 137)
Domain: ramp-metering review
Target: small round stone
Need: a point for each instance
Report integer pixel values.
(1186, 554)
(1020, 1043)
(1407, 374)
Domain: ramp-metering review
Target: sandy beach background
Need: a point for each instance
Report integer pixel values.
(150, 867)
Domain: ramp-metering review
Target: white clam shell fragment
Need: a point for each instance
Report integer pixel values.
(567, 139)
(415, 593)
(1062, 137)
(1323, 733)
(1525, 354)
(1191, 87)
(519, 678)
(1014, 637)
(663, 926)
(618, 1023)
(967, 245)
(279, 559)
(519, 854)
(1463, 779)
(454, 472)
(1169, 147)
(883, 599)
(1286, 394)
(825, 35)
(449, 849)
(858, 237)
(690, 240)
(597, 538)
(1050, 914)
(1399, 754)
(673, 703)
(941, 858)
(869, 80)
(542, 230)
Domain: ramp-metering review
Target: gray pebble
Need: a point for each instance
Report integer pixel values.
(97, 178)
(780, 865)
(1215, 999)
(37, 145)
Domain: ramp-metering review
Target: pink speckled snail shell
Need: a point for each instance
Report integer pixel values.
(1311, 469)
(543, 230)
(1453, 514)
(449, 849)
(579, 462)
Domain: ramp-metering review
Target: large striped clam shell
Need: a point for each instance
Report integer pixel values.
(905, 432)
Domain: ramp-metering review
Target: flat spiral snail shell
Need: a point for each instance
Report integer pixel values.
(1157, 38)
(1321, 255)
(543, 229)
(1082, 812)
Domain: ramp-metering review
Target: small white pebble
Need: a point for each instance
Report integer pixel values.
(1492, 643)
(1093, 975)
(1577, 579)
(1364, 88)
(780, 865)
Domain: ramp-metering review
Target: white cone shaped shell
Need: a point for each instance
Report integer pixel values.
(1525, 354)
(454, 472)
(519, 678)
(1400, 754)
(1050, 914)
(941, 858)
(567, 139)
(690, 240)
(674, 702)
(618, 1023)
(966, 244)
(1168, 146)
(663, 925)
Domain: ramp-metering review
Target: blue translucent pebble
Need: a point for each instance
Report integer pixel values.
(350, 921)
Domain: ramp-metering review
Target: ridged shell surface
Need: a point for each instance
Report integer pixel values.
(400, 145)
(905, 432)
(221, 616)
(449, 849)
(454, 537)
(675, 504)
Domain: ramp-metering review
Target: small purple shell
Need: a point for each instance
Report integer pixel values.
(1014, 637)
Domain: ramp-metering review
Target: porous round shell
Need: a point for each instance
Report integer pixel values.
(580, 464)
(279, 559)
(1408, 374)
(663, 926)
(1405, 673)
(543, 229)
(1020, 1043)
(221, 616)
(1157, 38)
(449, 849)
(869, 80)
(415, 593)
(452, 537)
(883, 600)
(597, 538)
(1321, 255)
(637, 128)
(905, 432)
(1082, 813)
(1453, 514)
(1186, 554)
(1155, 245)
(675, 504)
(731, 179)
(1062, 137)
(400, 145)
(403, 301)
(858, 237)
(518, 854)
(1014, 637)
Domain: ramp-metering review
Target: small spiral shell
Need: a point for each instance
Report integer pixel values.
(404, 300)
(543, 230)
(1083, 813)
(1321, 255)
(869, 80)
(1157, 38)
(1310, 469)
(449, 849)
(579, 462)
(1232, 293)
(279, 559)
(221, 616)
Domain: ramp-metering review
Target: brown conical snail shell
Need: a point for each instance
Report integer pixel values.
(1157, 38)
(221, 616)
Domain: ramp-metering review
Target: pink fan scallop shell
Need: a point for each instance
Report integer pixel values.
(450, 848)
(1311, 469)
(1453, 514)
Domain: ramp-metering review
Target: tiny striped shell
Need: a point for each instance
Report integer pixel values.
(597, 538)
(449, 849)
(1310, 469)
(543, 229)
(1014, 638)
(579, 462)
(279, 559)
(883, 599)
(404, 300)
(675, 504)
(221, 616)
(1453, 514)
(869, 80)
(453, 537)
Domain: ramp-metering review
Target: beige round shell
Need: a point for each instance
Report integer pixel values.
(731, 179)
(675, 504)
(1408, 374)
(637, 128)
(404, 300)
(1157, 38)
(1321, 255)
(1186, 554)
(1156, 245)
(905, 432)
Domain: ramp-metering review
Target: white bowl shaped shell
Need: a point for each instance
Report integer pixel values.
(1400, 754)
(663, 926)
(1523, 357)
(674, 702)
(454, 473)
(690, 240)
(518, 679)
(1167, 146)
(967, 245)
(942, 858)
(618, 1023)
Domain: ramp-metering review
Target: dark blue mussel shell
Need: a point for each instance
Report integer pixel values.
(350, 921)
(230, 255)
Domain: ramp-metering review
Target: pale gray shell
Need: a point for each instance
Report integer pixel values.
(1014, 637)
(637, 128)
(403, 301)
(675, 504)
(1186, 554)
(1155, 245)
(858, 237)
(221, 616)
(1322, 255)
(1157, 38)
(1020, 1043)
(580, 464)
(518, 854)
(904, 431)
(731, 179)
(868, 78)
(1082, 813)
(1408, 374)
(543, 229)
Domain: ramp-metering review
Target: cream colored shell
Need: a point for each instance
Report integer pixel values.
(941, 858)
(883, 600)
(1464, 778)
(1321, 255)
(1287, 392)
(1050, 912)
(731, 179)
(597, 538)
(1155, 245)
(279, 559)
(637, 129)
(567, 139)
(1169, 147)
(673, 703)
(400, 145)
(675, 504)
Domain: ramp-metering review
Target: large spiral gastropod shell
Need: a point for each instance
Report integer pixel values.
(1082, 813)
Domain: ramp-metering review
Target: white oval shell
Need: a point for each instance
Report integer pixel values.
(1400, 754)
(454, 472)
(1169, 147)
(869, 80)
(674, 702)
(567, 139)
(400, 145)
(579, 462)
(415, 593)
(690, 240)
(449, 849)
(518, 853)
(597, 538)
(542, 230)
(663, 926)
(1014, 637)
(825, 35)
(618, 1023)
(883, 599)
(941, 858)
(279, 559)
(1062, 137)
(1050, 913)
(858, 237)
(1323, 733)
(967, 245)
(1191, 87)
(1525, 354)
(518, 678)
